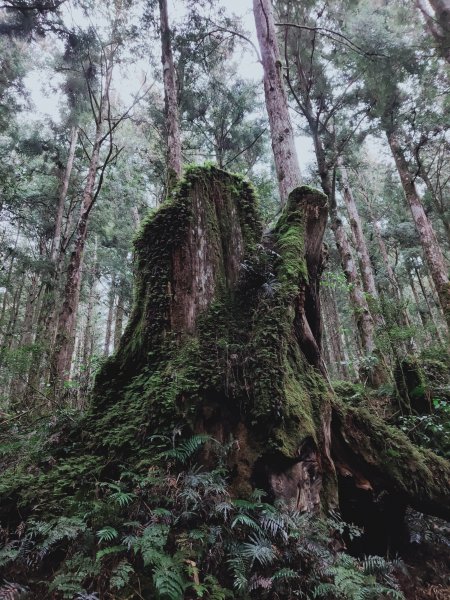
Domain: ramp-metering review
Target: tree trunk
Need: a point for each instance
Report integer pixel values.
(212, 344)
(46, 325)
(282, 134)
(334, 327)
(64, 345)
(86, 358)
(118, 323)
(432, 251)
(174, 160)
(109, 318)
(438, 204)
(64, 186)
(366, 269)
(248, 370)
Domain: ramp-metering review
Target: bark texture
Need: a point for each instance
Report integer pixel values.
(282, 134)
(228, 343)
(432, 251)
(366, 268)
(64, 344)
(170, 96)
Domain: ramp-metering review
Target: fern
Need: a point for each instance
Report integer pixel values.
(9, 553)
(168, 579)
(284, 575)
(239, 574)
(259, 549)
(108, 551)
(183, 452)
(107, 534)
(121, 575)
(243, 519)
(274, 525)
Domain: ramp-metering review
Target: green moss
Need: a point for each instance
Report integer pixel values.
(418, 474)
(241, 360)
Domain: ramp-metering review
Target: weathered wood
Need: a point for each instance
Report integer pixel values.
(281, 131)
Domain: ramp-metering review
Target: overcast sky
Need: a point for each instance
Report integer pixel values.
(42, 83)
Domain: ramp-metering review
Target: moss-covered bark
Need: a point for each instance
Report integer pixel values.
(224, 338)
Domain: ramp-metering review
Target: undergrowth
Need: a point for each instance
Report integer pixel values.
(169, 529)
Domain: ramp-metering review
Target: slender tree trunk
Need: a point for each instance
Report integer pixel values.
(402, 316)
(422, 314)
(367, 275)
(333, 326)
(282, 134)
(174, 161)
(64, 345)
(118, 324)
(89, 328)
(65, 180)
(6, 295)
(432, 251)
(109, 318)
(438, 205)
(427, 302)
(46, 321)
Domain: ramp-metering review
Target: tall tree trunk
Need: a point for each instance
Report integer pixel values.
(110, 315)
(366, 269)
(358, 302)
(64, 345)
(432, 251)
(174, 161)
(282, 134)
(89, 327)
(333, 325)
(46, 321)
(422, 314)
(438, 204)
(64, 186)
(427, 302)
(118, 324)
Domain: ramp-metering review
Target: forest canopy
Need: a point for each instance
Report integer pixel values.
(224, 299)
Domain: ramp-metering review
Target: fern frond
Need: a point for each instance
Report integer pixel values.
(259, 549)
(121, 575)
(168, 580)
(184, 451)
(108, 551)
(107, 534)
(243, 519)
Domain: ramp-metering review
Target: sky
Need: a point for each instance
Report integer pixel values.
(42, 83)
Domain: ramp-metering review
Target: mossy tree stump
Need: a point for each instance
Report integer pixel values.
(225, 339)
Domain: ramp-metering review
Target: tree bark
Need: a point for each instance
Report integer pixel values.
(110, 315)
(174, 161)
(281, 131)
(333, 326)
(118, 322)
(64, 345)
(432, 251)
(366, 269)
(437, 202)
(46, 325)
